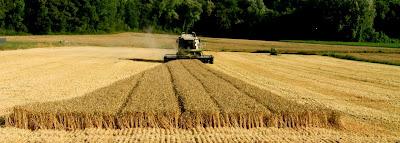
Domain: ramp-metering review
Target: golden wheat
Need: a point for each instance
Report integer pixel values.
(238, 110)
(52, 74)
(180, 94)
(95, 109)
(365, 91)
(285, 113)
(198, 107)
(153, 103)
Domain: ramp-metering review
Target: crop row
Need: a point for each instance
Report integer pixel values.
(285, 113)
(179, 94)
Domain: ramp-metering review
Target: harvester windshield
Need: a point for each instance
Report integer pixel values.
(186, 44)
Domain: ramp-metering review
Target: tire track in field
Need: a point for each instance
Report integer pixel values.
(361, 109)
(284, 112)
(200, 109)
(231, 100)
(203, 86)
(304, 65)
(179, 97)
(220, 81)
(180, 94)
(129, 97)
(153, 103)
(233, 85)
(301, 74)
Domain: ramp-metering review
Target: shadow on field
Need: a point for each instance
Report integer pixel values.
(2, 121)
(143, 60)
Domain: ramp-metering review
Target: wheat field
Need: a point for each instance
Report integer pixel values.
(366, 92)
(48, 74)
(288, 98)
(151, 99)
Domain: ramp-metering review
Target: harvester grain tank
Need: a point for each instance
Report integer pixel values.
(189, 47)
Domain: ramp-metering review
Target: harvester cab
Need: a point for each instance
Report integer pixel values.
(189, 47)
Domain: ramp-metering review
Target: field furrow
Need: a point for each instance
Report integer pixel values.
(285, 113)
(153, 103)
(51, 74)
(96, 109)
(297, 91)
(238, 110)
(288, 77)
(199, 109)
(128, 98)
(126, 94)
(180, 94)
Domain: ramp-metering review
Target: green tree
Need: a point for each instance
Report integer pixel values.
(37, 17)
(355, 20)
(363, 20)
(14, 17)
(168, 17)
(253, 16)
(191, 11)
(3, 10)
(132, 14)
(227, 13)
(59, 15)
(107, 15)
(388, 17)
(348, 19)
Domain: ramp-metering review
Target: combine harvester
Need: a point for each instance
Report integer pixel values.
(189, 48)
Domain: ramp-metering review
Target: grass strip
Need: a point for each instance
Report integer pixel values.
(367, 44)
(355, 58)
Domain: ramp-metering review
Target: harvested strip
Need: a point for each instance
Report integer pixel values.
(285, 113)
(153, 103)
(238, 110)
(95, 109)
(180, 94)
(54, 74)
(199, 108)
(220, 135)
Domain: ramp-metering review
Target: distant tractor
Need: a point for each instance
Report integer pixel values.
(189, 48)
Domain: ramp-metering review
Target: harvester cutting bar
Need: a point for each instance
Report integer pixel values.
(203, 58)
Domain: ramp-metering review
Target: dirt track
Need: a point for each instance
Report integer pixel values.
(40, 75)
(366, 92)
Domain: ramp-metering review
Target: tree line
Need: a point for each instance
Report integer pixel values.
(345, 20)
